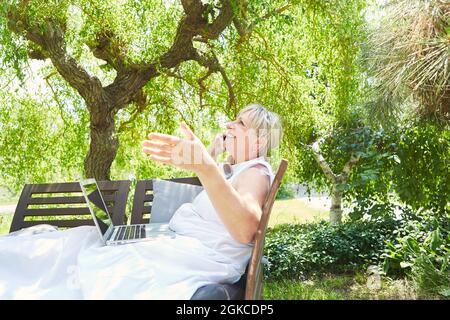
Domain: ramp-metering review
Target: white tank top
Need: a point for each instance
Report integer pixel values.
(200, 220)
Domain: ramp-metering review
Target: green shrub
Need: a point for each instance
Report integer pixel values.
(428, 278)
(418, 235)
(421, 250)
(298, 250)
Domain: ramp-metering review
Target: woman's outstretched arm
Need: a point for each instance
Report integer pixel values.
(238, 205)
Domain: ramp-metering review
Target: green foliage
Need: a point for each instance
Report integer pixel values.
(421, 249)
(285, 192)
(299, 62)
(397, 238)
(376, 157)
(37, 145)
(422, 177)
(296, 250)
(13, 53)
(430, 278)
(411, 160)
(420, 233)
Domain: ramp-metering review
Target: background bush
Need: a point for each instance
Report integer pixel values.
(299, 250)
(398, 239)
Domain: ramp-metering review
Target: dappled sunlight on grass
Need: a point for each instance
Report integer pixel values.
(340, 287)
(295, 211)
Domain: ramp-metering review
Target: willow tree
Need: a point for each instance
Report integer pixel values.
(135, 40)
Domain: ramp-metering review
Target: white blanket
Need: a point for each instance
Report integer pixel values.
(73, 264)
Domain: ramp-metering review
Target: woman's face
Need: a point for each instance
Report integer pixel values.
(241, 140)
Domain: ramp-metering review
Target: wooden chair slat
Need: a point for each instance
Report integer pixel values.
(64, 200)
(60, 223)
(114, 192)
(68, 187)
(148, 198)
(141, 197)
(147, 209)
(59, 211)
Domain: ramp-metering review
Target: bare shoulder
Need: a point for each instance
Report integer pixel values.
(253, 180)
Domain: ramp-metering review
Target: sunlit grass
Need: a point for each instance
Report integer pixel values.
(295, 211)
(341, 287)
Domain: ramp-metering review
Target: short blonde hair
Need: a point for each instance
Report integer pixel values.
(267, 125)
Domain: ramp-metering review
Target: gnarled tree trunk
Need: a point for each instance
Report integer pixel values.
(103, 147)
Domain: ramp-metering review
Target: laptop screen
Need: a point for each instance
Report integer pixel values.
(97, 205)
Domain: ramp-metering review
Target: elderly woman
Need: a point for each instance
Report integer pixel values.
(236, 203)
(212, 239)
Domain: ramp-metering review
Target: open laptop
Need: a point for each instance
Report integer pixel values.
(121, 234)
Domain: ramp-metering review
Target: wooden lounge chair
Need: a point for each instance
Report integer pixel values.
(249, 287)
(115, 194)
(57, 204)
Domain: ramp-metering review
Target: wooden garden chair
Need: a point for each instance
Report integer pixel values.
(249, 286)
(57, 204)
(51, 202)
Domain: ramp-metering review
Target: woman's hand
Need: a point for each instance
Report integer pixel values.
(187, 153)
(217, 147)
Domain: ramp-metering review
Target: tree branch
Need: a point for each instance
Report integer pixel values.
(133, 78)
(245, 30)
(50, 38)
(343, 176)
(213, 65)
(194, 23)
(322, 162)
(55, 96)
(202, 86)
(225, 17)
(105, 49)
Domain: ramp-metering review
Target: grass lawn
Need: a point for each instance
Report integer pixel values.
(340, 287)
(295, 211)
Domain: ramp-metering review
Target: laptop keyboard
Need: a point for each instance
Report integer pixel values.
(130, 232)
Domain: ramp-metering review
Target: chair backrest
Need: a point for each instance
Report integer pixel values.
(253, 287)
(143, 198)
(63, 204)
